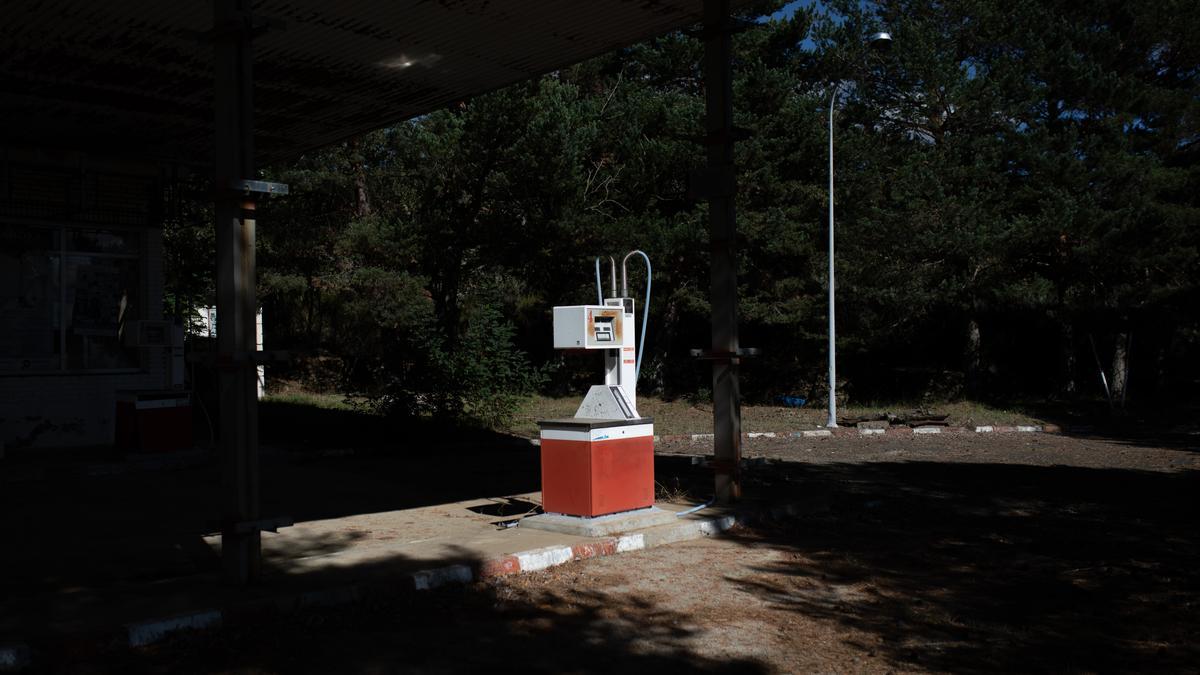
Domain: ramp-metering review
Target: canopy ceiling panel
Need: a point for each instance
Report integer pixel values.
(134, 77)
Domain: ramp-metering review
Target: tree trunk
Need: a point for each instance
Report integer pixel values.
(1069, 386)
(310, 301)
(973, 356)
(1120, 369)
(362, 203)
(445, 300)
(1162, 376)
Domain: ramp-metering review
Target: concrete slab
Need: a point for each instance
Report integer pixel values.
(401, 541)
(602, 526)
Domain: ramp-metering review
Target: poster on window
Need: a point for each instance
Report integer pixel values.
(99, 300)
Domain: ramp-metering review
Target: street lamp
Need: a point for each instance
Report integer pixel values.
(879, 42)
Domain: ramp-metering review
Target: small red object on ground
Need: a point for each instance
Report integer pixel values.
(153, 421)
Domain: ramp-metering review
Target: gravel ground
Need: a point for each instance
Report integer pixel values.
(956, 553)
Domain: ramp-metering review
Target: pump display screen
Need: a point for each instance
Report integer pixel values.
(604, 329)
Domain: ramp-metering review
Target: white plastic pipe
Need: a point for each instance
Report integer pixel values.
(645, 308)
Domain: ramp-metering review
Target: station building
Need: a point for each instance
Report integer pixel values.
(81, 294)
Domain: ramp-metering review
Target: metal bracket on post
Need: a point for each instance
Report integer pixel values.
(723, 467)
(264, 187)
(262, 525)
(729, 357)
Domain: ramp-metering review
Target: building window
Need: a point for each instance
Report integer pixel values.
(67, 296)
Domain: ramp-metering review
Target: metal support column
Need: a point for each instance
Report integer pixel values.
(718, 88)
(233, 160)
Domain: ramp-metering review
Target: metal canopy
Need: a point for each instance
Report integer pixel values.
(135, 77)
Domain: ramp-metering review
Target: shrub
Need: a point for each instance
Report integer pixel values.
(481, 379)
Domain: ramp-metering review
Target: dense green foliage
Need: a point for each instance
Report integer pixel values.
(1041, 161)
(1017, 189)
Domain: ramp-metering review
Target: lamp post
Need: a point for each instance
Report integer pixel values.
(879, 42)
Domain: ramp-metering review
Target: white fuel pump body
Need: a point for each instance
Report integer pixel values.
(609, 327)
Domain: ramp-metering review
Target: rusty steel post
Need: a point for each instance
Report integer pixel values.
(233, 160)
(718, 95)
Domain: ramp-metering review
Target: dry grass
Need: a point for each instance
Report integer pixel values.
(680, 416)
(324, 401)
(292, 392)
(683, 417)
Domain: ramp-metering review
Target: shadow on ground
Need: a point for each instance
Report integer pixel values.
(985, 567)
(74, 542)
(484, 627)
(933, 565)
(1171, 423)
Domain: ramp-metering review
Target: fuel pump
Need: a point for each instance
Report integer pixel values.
(601, 461)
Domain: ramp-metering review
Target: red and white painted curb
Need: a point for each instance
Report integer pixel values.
(868, 431)
(860, 431)
(543, 558)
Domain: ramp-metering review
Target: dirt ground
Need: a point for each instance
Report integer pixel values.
(1008, 553)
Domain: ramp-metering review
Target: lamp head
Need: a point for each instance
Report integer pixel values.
(880, 42)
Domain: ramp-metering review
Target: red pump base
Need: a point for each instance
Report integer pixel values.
(594, 467)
